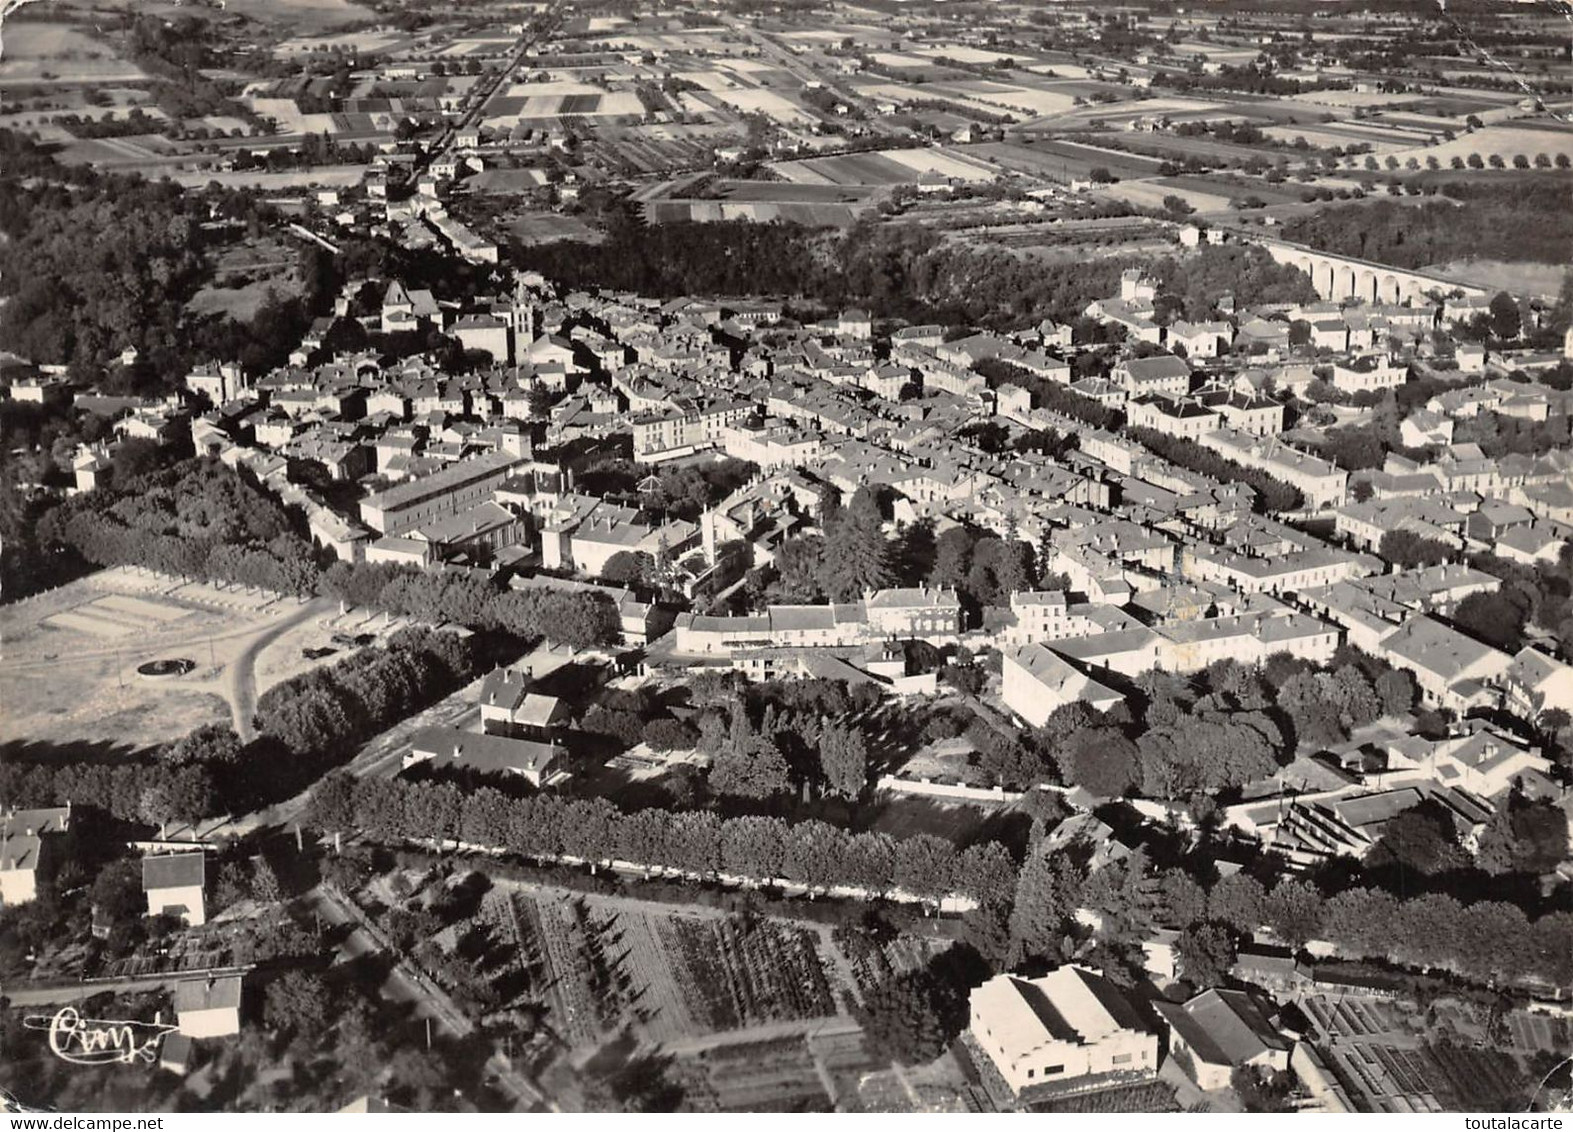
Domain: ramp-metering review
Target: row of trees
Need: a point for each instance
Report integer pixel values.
(1022, 914)
(333, 709)
(196, 519)
(762, 850)
(1485, 941)
(200, 519)
(1049, 394)
(307, 722)
(1272, 495)
(582, 618)
(900, 271)
(134, 790)
(283, 565)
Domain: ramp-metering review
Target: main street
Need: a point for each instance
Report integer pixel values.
(789, 63)
(491, 87)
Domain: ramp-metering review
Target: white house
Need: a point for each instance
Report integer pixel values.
(173, 884)
(1220, 1031)
(510, 705)
(484, 753)
(22, 845)
(1164, 374)
(208, 1008)
(1367, 375)
(1538, 681)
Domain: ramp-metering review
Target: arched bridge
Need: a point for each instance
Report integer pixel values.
(1337, 277)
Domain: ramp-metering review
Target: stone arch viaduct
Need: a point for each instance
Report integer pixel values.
(1337, 278)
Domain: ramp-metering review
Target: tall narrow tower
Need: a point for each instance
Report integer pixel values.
(523, 320)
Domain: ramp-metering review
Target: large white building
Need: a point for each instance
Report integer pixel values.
(456, 488)
(683, 431)
(1062, 1030)
(1036, 682)
(1322, 482)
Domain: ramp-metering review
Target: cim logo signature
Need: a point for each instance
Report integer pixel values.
(98, 1041)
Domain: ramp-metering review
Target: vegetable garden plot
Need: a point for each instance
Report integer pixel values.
(739, 973)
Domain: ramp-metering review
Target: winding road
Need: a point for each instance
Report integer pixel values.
(240, 675)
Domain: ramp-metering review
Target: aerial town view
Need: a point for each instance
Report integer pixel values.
(858, 556)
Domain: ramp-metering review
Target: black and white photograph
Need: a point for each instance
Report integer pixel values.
(785, 556)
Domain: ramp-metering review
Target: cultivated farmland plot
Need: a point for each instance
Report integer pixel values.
(1064, 160)
(48, 53)
(1164, 146)
(773, 1076)
(586, 986)
(303, 16)
(739, 973)
(875, 963)
(600, 962)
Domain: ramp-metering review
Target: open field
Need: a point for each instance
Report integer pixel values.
(814, 204)
(323, 176)
(1172, 148)
(890, 167)
(792, 193)
(302, 17)
(243, 277)
(504, 181)
(1064, 160)
(1535, 279)
(1240, 186)
(972, 56)
(49, 53)
(544, 227)
(769, 103)
(586, 102)
(1105, 115)
(68, 673)
(240, 303)
(1506, 142)
(291, 120)
(760, 212)
(1325, 135)
(1032, 101)
(364, 42)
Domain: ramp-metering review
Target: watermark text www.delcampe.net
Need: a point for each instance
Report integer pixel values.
(87, 1123)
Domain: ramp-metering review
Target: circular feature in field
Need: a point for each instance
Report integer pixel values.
(169, 666)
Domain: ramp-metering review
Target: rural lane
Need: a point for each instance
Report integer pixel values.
(405, 983)
(23, 993)
(798, 1027)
